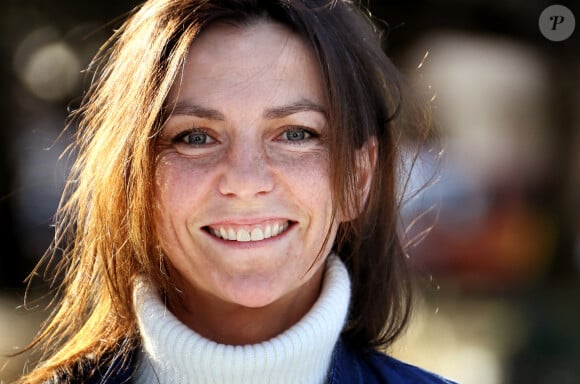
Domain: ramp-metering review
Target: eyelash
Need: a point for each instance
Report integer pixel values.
(178, 139)
(308, 133)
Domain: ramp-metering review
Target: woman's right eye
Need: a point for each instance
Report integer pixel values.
(195, 137)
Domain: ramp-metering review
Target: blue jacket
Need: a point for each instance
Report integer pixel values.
(351, 366)
(348, 366)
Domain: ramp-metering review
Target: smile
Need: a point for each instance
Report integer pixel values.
(245, 233)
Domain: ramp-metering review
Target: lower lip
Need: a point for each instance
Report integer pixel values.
(251, 244)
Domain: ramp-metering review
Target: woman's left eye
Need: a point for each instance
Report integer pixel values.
(296, 134)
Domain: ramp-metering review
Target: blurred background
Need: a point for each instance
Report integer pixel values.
(492, 222)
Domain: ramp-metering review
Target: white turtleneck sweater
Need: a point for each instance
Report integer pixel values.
(173, 353)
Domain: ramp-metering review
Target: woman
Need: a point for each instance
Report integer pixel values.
(231, 215)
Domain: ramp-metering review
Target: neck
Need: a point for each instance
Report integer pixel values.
(174, 353)
(232, 324)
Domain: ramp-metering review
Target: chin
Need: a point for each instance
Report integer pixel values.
(252, 294)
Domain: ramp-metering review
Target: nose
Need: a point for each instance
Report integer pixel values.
(247, 172)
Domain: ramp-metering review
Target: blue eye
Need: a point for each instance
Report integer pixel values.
(296, 134)
(193, 137)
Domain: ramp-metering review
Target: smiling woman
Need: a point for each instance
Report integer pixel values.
(247, 156)
(231, 216)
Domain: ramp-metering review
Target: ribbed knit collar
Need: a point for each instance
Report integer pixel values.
(173, 353)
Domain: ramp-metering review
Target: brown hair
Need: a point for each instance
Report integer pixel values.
(105, 233)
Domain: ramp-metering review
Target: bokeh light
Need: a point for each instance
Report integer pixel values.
(47, 65)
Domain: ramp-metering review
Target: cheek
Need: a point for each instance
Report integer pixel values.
(166, 196)
(178, 190)
(308, 179)
(314, 176)
(179, 182)
(165, 200)
(182, 183)
(311, 170)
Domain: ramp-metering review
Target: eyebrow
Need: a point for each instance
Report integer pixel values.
(290, 109)
(184, 108)
(188, 109)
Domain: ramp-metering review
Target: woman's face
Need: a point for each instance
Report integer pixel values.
(242, 181)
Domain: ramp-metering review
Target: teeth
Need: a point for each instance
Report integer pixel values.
(245, 235)
(257, 234)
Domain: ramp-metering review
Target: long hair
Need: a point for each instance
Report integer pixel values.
(105, 232)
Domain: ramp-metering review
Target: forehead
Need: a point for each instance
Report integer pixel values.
(247, 60)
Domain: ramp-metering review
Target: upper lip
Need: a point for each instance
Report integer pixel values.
(245, 221)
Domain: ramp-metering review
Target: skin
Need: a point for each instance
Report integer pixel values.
(245, 147)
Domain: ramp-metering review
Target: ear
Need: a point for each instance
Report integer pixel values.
(366, 159)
